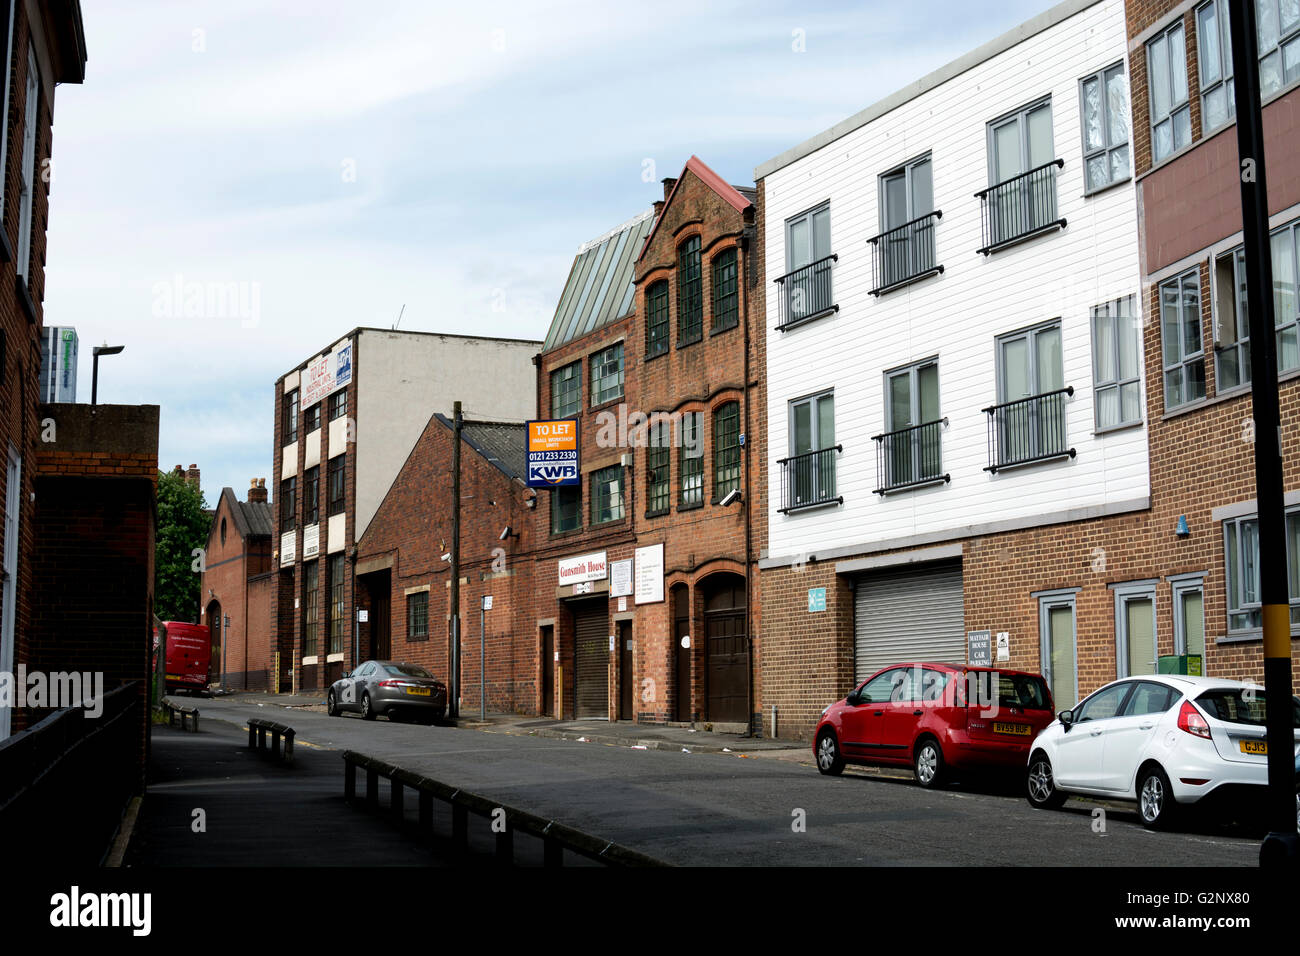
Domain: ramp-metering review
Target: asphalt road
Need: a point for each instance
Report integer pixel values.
(728, 809)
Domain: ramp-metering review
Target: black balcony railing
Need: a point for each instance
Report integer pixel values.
(905, 253)
(809, 479)
(806, 293)
(1028, 429)
(910, 457)
(1020, 207)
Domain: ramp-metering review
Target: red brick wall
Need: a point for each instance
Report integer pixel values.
(237, 577)
(413, 525)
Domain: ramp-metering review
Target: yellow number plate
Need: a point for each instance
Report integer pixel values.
(1020, 730)
(1254, 747)
(419, 691)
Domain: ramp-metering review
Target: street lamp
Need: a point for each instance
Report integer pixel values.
(104, 349)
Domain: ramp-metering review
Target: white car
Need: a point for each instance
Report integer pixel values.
(1165, 741)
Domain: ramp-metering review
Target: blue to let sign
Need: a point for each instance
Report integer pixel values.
(816, 599)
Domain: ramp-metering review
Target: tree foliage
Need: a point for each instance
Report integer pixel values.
(183, 526)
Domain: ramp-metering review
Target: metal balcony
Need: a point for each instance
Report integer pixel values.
(910, 457)
(905, 254)
(808, 480)
(1020, 208)
(806, 293)
(1028, 430)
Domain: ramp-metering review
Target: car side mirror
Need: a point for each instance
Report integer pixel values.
(1066, 717)
(852, 698)
(346, 674)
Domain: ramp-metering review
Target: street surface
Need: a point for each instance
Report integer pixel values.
(728, 809)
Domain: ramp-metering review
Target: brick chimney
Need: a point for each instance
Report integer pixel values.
(257, 491)
(192, 475)
(669, 183)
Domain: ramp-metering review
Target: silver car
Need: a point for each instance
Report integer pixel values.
(388, 687)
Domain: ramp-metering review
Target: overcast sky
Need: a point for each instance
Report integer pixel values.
(331, 161)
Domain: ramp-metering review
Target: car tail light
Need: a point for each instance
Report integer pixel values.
(392, 683)
(1190, 720)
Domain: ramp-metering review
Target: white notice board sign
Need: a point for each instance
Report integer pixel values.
(620, 578)
(650, 574)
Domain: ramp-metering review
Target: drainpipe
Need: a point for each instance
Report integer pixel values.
(747, 234)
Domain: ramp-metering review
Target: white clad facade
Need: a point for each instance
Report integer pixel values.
(965, 318)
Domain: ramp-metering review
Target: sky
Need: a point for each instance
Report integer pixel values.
(296, 170)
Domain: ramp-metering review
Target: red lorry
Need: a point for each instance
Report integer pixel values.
(190, 663)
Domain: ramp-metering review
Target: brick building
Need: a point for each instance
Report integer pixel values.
(646, 584)
(345, 421)
(44, 45)
(405, 585)
(92, 559)
(236, 588)
(1193, 281)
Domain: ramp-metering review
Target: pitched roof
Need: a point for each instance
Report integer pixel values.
(740, 197)
(252, 518)
(599, 288)
(501, 444)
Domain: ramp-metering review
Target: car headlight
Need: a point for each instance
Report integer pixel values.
(825, 709)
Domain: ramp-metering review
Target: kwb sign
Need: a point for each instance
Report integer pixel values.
(553, 454)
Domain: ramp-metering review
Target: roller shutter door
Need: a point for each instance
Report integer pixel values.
(591, 638)
(914, 614)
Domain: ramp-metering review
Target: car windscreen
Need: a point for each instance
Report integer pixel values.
(406, 670)
(1241, 706)
(1014, 690)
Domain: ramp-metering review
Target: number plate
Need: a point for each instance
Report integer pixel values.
(1254, 747)
(1019, 730)
(419, 691)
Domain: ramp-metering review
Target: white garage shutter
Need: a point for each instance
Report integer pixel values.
(912, 614)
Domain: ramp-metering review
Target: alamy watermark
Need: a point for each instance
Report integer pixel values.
(57, 690)
(181, 299)
(620, 428)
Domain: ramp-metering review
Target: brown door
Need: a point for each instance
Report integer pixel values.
(681, 655)
(626, 681)
(381, 620)
(726, 648)
(591, 651)
(548, 670)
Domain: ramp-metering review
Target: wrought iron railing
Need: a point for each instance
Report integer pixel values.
(809, 479)
(806, 293)
(1020, 207)
(1028, 429)
(910, 456)
(905, 253)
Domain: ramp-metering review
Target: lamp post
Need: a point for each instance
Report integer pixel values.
(99, 350)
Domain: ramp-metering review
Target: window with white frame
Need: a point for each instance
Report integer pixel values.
(607, 495)
(1180, 335)
(27, 171)
(1277, 24)
(7, 23)
(1135, 629)
(607, 375)
(1241, 566)
(1105, 127)
(1171, 114)
(1283, 244)
(1214, 52)
(1231, 325)
(1116, 364)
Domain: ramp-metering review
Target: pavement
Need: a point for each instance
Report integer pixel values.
(211, 801)
(612, 732)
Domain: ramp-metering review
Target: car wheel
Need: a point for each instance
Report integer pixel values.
(1042, 791)
(927, 764)
(367, 712)
(1156, 804)
(829, 760)
(331, 705)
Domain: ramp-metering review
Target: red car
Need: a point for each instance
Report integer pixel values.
(935, 718)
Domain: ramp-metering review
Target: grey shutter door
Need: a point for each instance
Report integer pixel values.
(591, 634)
(911, 615)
